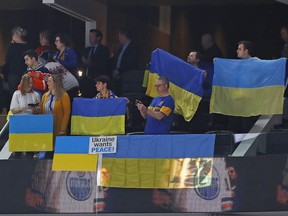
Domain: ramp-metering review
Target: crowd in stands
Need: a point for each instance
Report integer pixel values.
(50, 72)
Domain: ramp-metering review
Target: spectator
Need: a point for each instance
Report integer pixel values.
(284, 36)
(102, 85)
(159, 114)
(15, 65)
(236, 123)
(25, 101)
(39, 73)
(66, 56)
(126, 58)
(46, 50)
(210, 49)
(194, 59)
(96, 60)
(70, 83)
(202, 113)
(31, 60)
(22, 98)
(57, 102)
(245, 50)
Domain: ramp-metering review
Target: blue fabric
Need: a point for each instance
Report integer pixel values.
(68, 59)
(72, 145)
(179, 72)
(155, 126)
(31, 124)
(94, 108)
(249, 73)
(145, 146)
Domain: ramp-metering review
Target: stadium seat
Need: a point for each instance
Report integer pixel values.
(277, 142)
(224, 143)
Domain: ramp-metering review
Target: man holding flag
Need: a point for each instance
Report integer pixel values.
(159, 114)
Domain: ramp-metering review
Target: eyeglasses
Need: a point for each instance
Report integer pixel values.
(158, 85)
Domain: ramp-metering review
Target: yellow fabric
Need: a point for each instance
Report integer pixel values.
(145, 78)
(247, 101)
(74, 162)
(151, 90)
(8, 115)
(61, 112)
(186, 103)
(30, 142)
(108, 125)
(156, 173)
(166, 110)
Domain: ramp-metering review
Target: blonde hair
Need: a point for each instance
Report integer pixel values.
(59, 90)
(24, 84)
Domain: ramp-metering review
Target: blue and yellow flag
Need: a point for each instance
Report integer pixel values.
(30, 133)
(185, 81)
(248, 87)
(98, 116)
(143, 161)
(160, 161)
(71, 154)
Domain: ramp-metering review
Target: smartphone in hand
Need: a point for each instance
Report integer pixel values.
(33, 105)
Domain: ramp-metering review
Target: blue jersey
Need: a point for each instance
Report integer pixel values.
(166, 106)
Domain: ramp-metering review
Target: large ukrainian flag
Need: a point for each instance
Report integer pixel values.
(98, 116)
(248, 87)
(185, 81)
(30, 133)
(160, 161)
(143, 161)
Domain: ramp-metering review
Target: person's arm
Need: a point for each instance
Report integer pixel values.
(15, 107)
(154, 114)
(142, 109)
(42, 104)
(35, 109)
(19, 110)
(70, 58)
(163, 111)
(65, 101)
(146, 111)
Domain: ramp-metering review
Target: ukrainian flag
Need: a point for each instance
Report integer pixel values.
(71, 154)
(248, 87)
(185, 82)
(160, 161)
(143, 161)
(98, 116)
(30, 133)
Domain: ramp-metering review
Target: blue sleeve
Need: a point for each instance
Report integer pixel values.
(168, 106)
(70, 58)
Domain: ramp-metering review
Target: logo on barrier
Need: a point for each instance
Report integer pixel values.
(79, 185)
(211, 192)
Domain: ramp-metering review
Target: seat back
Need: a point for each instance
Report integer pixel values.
(277, 142)
(132, 82)
(224, 143)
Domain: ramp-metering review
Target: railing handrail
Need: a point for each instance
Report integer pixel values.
(5, 127)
